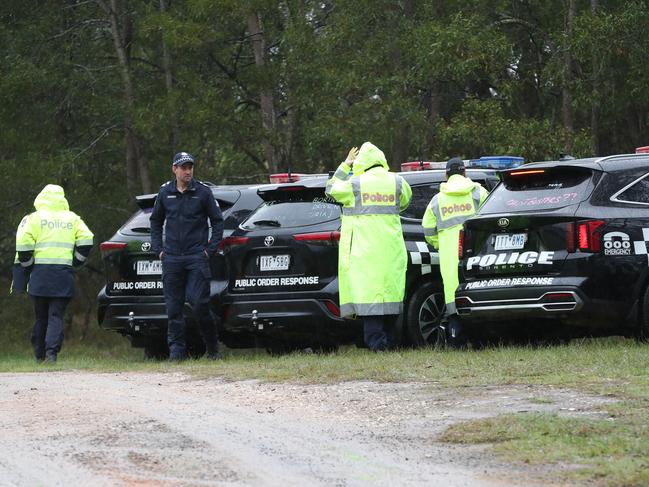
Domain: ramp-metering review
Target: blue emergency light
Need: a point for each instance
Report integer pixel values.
(496, 162)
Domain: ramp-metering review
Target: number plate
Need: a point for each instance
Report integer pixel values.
(510, 241)
(148, 267)
(274, 262)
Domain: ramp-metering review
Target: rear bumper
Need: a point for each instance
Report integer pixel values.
(136, 316)
(568, 299)
(541, 303)
(132, 315)
(304, 319)
(564, 299)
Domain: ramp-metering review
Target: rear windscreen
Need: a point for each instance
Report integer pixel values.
(539, 189)
(287, 214)
(138, 224)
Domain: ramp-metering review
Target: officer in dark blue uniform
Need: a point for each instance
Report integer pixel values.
(186, 205)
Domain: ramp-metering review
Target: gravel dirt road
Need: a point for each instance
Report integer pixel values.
(142, 429)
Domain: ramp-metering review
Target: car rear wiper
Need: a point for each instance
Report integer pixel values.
(267, 223)
(141, 229)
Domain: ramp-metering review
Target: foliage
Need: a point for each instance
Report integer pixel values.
(422, 80)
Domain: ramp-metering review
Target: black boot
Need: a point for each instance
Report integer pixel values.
(456, 337)
(50, 357)
(212, 351)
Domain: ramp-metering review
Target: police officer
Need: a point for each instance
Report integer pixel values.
(186, 205)
(372, 253)
(458, 199)
(49, 242)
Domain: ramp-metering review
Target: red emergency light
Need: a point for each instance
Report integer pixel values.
(642, 150)
(416, 166)
(285, 177)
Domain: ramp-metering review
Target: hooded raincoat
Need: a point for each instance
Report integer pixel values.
(372, 255)
(458, 199)
(48, 243)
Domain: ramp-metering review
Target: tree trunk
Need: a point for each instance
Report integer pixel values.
(121, 31)
(268, 117)
(594, 107)
(566, 107)
(169, 84)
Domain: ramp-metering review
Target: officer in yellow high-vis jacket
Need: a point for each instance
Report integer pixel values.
(372, 253)
(458, 199)
(49, 242)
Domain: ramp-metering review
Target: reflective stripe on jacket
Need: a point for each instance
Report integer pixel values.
(372, 254)
(458, 199)
(50, 237)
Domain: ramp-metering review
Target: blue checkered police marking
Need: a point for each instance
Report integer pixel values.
(420, 254)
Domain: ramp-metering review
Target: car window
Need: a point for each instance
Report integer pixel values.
(292, 213)
(539, 189)
(138, 224)
(636, 193)
(421, 196)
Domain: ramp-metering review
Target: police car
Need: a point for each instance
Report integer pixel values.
(132, 302)
(282, 266)
(561, 243)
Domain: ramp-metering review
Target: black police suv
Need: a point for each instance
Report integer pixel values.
(561, 244)
(282, 268)
(132, 301)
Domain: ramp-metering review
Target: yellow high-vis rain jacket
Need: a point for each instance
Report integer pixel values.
(458, 199)
(51, 240)
(372, 255)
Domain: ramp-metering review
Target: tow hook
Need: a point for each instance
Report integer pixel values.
(131, 322)
(257, 323)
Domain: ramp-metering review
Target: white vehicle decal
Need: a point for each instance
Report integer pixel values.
(617, 243)
(510, 281)
(510, 258)
(276, 281)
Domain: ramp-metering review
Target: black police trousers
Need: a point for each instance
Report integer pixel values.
(187, 278)
(47, 335)
(378, 332)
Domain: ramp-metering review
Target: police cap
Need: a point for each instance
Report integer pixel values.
(455, 166)
(183, 158)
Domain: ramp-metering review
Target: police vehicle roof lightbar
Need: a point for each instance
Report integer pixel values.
(496, 162)
(642, 150)
(285, 177)
(421, 166)
(292, 177)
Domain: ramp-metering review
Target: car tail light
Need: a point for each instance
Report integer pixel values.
(460, 245)
(589, 235)
(285, 177)
(318, 237)
(642, 150)
(109, 247)
(232, 241)
(225, 313)
(331, 306)
(571, 238)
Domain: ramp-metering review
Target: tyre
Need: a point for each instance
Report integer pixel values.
(642, 333)
(424, 316)
(155, 349)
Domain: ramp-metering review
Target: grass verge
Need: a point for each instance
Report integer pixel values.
(613, 451)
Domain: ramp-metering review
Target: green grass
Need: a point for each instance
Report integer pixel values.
(613, 450)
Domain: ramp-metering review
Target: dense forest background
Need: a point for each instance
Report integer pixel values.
(97, 95)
